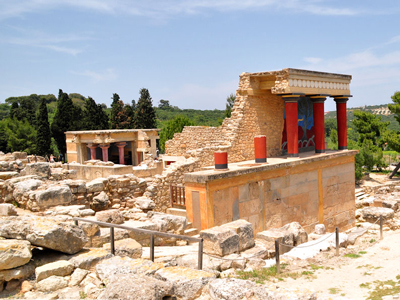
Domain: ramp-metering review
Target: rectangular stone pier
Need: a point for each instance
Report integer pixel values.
(311, 189)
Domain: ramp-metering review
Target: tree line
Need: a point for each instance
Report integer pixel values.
(27, 126)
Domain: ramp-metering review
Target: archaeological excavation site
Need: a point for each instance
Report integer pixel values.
(120, 221)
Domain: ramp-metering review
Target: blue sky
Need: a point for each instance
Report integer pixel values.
(192, 52)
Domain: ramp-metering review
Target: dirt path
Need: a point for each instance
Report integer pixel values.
(352, 278)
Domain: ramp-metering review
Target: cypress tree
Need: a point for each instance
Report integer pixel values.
(145, 114)
(43, 137)
(120, 114)
(63, 120)
(94, 117)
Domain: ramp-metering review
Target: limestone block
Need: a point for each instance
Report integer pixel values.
(113, 216)
(390, 204)
(51, 284)
(53, 196)
(22, 187)
(220, 241)
(77, 276)
(166, 222)
(145, 203)
(126, 247)
(57, 268)
(299, 234)
(188, 283)
(271, 235)
(371, 214)
(320, 229)
(131, 286)
(90, 229)
(41, 169)
(14, 253)
(96, 185)
(100, 202)
(8, 175)
(140, 237)
(88, 258)
(45, 232)
(244, 230)
(7, 209)
(22, 272)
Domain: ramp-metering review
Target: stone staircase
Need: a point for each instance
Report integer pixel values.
(190, 230)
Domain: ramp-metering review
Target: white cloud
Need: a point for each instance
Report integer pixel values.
(165, 8)
(38, 39)
(106, 75)
(312, 60)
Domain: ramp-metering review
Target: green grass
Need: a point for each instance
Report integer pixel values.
(334, 291)
(362, 252)
(316, 267)
(372, 241)
(266, 274)
(379, 290)
(352, 255)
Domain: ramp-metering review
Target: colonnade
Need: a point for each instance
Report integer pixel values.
(319, 123)
(104, 149)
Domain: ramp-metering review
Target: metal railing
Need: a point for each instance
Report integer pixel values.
(177, 194)
(152, 233)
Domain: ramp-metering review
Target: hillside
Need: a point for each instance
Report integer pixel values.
(380, 110)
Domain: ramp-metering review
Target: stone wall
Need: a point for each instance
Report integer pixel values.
(159, 189)
(36, 194)
(310, 191)
(251, 115)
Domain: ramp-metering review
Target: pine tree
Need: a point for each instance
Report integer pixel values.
(43, 138)
(145, 114)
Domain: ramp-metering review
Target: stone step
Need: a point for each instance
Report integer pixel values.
(177, 212)
(191, 232)
(363, 196)
(360, 194)
(189, 225)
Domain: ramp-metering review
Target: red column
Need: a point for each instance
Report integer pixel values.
(319, 123)
(260, 148)
(221, 160)
(292, 124)
(104, 148)
(121, 153)
(92, 148)
(341, 115)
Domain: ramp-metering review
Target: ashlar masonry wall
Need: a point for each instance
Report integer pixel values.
(310, 190)
(251, 115)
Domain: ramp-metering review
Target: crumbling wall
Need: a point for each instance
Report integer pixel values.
(252, 115)
(36, 193)
(159, 189)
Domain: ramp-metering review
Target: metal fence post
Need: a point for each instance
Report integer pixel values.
(337, 241)
(152, 247)
(200, 262)
(381, 226)
(278, 266)
(112, 240)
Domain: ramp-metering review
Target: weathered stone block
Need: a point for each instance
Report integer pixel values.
(7, 209)
(14, 253)
(113, 216)
(244, 230)
(57, 268)
(220, 241)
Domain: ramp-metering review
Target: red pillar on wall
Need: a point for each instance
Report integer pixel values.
(121, 153)
(319, 122)
(260, 148)
(292, 124)
(92, 148)
(104, 148)
(341, 115)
